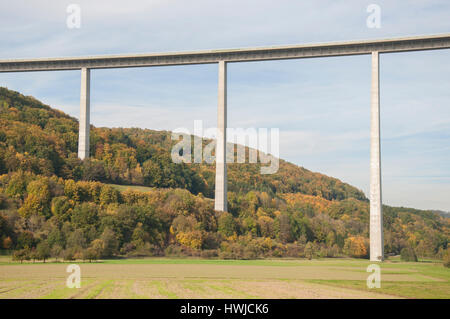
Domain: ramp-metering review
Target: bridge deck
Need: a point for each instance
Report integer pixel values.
(230, 55)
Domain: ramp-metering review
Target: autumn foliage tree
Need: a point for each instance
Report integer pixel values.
(355, 247)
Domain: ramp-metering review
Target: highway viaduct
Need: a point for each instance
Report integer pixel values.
(222, 58)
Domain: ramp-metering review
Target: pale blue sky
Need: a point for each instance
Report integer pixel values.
(320, 105)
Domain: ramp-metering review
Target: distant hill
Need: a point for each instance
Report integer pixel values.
(442, 213)
(51, 201)
(135, 156)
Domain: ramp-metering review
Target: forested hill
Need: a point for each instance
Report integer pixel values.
(43, 140)
(53, 204)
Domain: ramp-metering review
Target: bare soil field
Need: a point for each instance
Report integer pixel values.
(196, 278)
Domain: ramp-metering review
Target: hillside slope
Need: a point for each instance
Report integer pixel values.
(48, 139)
(50, 201)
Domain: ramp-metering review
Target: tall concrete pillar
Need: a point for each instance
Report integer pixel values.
(376, 213)
(220, 201)
(83, 137)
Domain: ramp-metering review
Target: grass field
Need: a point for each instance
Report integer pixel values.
(200, 278)
(132, 187)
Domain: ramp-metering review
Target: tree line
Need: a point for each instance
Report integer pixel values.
(44, 216)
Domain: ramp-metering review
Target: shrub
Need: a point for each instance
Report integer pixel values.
(127, 248)
(174, 251)
(231, 250)
(2, 201)
(209, 253)
(144, 250)
(7, 243)
(447, 259)
(333, 251)
(279, 251)
(408, 254)
(68, 254)
(192, 239)
(294, 250)
(309, 250)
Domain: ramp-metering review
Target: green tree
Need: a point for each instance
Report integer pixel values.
(33, 254)
(76, 239)
(89, 254)
(85, 215)
(25, 240)
(20, 255)
(17, 185)
(110, 242)
(61, 208)
(93, 170)
(43, 251)
(38, 199)
(140, 236)
(56, 237)
(56, 251)
(108, 195)
(266, 226)
(226, 224)
(285, 228)
(97, 248)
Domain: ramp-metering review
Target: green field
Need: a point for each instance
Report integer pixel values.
(132, 187)
(202, 278)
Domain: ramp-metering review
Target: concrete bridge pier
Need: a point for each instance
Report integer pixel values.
(220, 199)
(83, 138)
(376, 212)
